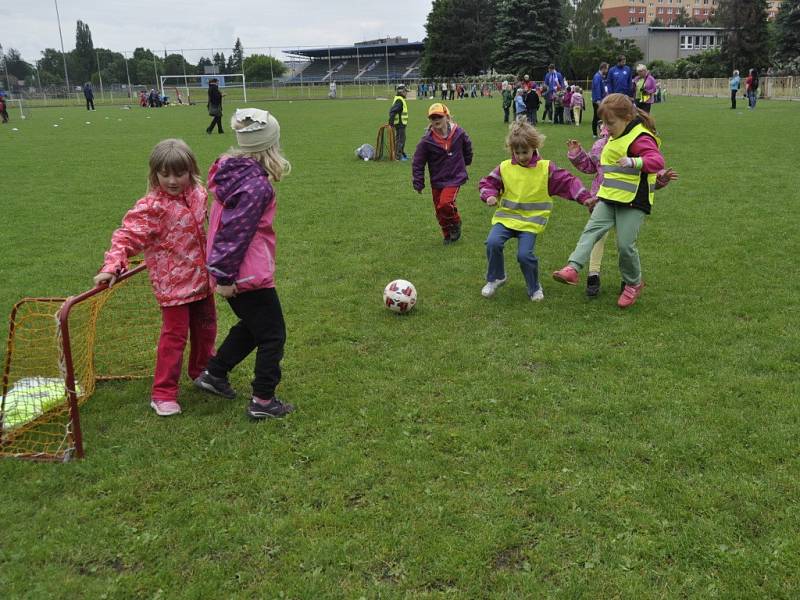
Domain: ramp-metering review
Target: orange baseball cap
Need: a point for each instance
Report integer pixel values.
(438, 109)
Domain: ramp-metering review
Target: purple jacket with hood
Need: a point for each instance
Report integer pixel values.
(447, 168)
(241, 241)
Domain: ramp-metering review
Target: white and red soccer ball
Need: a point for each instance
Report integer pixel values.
(399, 296)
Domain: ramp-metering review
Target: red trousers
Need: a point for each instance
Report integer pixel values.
(197, 321)
(444, 203)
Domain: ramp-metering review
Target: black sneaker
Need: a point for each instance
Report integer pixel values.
(593, 286)
(216, 385)
(274, 410)
(455, 233)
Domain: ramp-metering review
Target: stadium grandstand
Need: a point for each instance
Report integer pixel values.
(385, 59)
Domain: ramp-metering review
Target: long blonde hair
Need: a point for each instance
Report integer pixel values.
(622, 107)
(172, 156)
(272, 159)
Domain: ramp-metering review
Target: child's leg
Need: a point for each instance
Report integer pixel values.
(171, 344)
(628, 223)
(202, 334)
(600, 222)
(236, 346)
(528, 261)
(263, 316)
(444, 200)
(498, 236)
(596, 257)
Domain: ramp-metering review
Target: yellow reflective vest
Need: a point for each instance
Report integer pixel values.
(620, 184)
(403, 115)
(525, 203)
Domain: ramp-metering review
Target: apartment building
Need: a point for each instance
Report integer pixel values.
(635, 12)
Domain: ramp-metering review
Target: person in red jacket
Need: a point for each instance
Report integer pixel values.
(447, 150)
(167, 226)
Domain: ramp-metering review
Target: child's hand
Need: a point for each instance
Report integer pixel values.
(574, 146)
(628, 161)
(101, 278)
(226, 291)
(491, 200)
(590, 203)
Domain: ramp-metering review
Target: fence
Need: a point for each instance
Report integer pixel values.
(776, 88)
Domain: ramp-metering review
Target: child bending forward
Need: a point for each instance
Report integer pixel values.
(522, 189)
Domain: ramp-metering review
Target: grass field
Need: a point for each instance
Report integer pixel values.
(472, 449)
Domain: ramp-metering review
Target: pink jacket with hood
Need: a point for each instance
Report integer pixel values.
(169, 231)
(241, 240)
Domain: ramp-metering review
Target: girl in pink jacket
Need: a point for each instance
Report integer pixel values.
(241, 257)
(167, 226)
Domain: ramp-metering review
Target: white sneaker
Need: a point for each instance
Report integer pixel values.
(165, 408)
(491, 287)
(537, 296)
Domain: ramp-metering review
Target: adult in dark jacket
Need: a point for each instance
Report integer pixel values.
(531, 105)
(599, 91)
(214, 106)
(398, 119)
(447, 150)
(88, 93)
(620, 78)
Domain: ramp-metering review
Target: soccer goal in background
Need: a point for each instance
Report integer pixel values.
(193, 89)
(58, 349)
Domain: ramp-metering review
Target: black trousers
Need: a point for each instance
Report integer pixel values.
(506, 110)
(217, 120)
(90, 103)
(595, 117)
(261, 328)
(645, 106)
(733, 98)
(4, 115)
(399, 140)
(548, 110)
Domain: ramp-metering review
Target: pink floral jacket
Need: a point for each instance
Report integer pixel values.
(169, 231)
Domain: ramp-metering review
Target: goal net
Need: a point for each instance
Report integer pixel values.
(193, 89)
(58, 349)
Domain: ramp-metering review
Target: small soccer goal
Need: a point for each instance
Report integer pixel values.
(193, 89)
(58, 349)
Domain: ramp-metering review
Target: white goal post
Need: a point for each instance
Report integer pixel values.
(199, 84)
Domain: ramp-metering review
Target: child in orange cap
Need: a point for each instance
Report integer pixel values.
(447, 150)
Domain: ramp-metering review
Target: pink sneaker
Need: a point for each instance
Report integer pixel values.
(165, 408)
(629, 294)
(566, 275)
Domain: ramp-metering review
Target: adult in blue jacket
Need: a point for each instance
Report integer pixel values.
(620, 78)
(554, 81)
(599, 91)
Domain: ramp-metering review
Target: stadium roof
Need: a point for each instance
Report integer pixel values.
(350, 50)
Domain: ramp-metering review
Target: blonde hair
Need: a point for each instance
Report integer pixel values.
(524, 135)
(272, 159)
(622, 107)
(172, 156)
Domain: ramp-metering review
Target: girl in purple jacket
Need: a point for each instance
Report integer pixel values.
(447, 150)
(241, 257)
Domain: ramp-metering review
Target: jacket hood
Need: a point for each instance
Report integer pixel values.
(232, 174)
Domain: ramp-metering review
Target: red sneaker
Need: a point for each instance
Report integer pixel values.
(566, 275)
(629, 294)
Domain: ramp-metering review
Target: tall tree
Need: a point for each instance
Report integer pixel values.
(787, 27)
(260, 67)
(15, 65)
(587, 22)
(83, 54)
(746, 40)
(459, 37)
(236, 59)
(219, 61)
(528, 36)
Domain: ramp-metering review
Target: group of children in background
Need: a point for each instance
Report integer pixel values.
(567, 106)
(237, 258)
(628, 167)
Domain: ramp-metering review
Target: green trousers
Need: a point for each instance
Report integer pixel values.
(626, 221)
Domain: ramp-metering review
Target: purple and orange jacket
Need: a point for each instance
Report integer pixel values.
(447, 159)
(169, 231)
(241, 240)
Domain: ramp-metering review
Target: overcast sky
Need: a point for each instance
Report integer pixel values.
(31, 26)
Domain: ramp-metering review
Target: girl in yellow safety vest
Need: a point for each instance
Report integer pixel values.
(630, 162)
(522, 188)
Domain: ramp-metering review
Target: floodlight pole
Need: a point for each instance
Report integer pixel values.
(185, 81)
(100, 75)
(128, 74)
(63, 55)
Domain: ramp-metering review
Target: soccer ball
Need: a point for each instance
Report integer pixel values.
(399, 296)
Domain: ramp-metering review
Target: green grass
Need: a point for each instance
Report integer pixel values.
(474, 448)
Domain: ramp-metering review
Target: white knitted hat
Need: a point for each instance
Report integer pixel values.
(263, 133)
